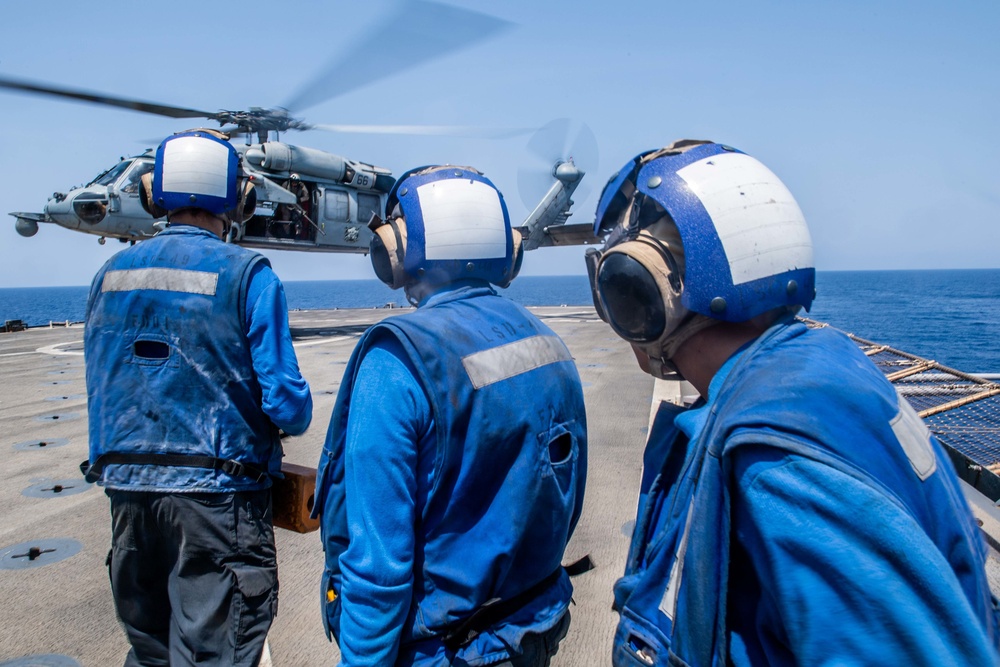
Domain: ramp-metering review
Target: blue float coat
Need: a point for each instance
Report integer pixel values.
(408, 548)
(809, 487)
(231, 377)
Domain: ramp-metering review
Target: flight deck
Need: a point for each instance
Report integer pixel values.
(55, 529)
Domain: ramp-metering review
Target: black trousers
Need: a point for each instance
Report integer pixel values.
(537, 650)
(194, 575)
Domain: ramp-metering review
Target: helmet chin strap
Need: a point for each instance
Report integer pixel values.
(415, 291)
(227, 224)
(663, 369)
(662, 352)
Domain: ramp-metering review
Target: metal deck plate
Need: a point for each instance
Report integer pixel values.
(41, 660)
(41, 443)
(53, 488)
(37, 553)
(58, 417)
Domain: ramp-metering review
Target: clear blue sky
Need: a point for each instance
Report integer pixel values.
(881, 117)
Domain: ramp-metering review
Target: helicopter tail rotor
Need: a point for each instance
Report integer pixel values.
(557, 148)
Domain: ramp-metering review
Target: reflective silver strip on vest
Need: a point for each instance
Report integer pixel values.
(668, 603)
(169, 280)
(915, 439)
(506, 361)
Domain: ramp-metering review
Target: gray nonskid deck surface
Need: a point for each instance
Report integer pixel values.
(65, 607)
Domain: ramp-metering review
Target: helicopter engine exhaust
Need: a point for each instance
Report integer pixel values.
(26, 227)
(275, 156)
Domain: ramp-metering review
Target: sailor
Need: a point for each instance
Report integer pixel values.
(800, 513)
(453, 471)
(190, 375)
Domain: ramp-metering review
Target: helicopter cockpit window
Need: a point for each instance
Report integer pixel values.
(335, 206)
(130, 183)
(111, 175)
(367, 205)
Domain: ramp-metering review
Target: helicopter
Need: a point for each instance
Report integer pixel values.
(310, 199)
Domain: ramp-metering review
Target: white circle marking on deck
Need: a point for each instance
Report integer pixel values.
(54, 349)
(309, 343)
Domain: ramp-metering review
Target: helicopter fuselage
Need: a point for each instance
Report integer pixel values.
(307, 199)
(310, 199)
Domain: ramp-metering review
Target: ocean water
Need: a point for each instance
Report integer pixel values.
(950, 316)
(37, 306)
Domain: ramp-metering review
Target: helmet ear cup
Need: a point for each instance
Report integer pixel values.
(640, 290)
(592, 258)
(388, 252)
(146, 196)
(516, 258)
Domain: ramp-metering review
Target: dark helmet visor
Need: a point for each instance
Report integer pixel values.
(631, 299)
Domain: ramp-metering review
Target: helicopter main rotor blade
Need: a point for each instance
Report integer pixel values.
(417, 31)
(428, 130)
(106, 100)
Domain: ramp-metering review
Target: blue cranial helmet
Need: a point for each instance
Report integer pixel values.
(442, 224)
(743, 248)
(198, 169)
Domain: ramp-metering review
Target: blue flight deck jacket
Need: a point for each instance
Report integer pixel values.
(188, 352)
(436, 486)
(804, 515)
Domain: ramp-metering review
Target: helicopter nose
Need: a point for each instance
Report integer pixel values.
(58, 206)
(77, 209)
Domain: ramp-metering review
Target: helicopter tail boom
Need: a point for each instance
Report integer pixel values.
(542, 227)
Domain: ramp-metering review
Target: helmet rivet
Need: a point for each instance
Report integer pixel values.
(402, 193)
(420, 272)
(193, 199)
(654, 182)
(792, 287)
(458, 173)
(718, 305)
(470, 267)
